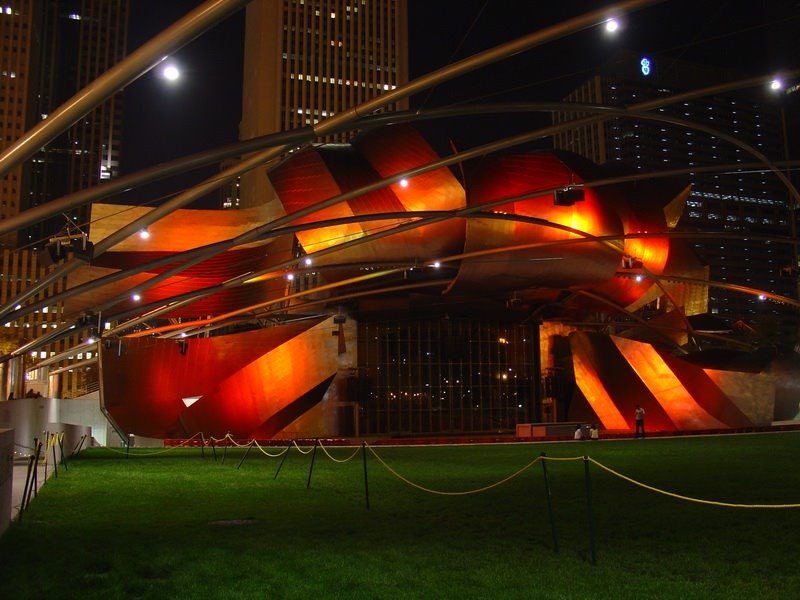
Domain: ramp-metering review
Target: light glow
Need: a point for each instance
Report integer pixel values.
(171, 73)
(612, 25)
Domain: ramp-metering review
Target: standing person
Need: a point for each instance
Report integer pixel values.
(594, 433)
(578, 433)
(639, 413)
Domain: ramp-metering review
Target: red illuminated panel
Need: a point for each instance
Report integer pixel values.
(245, 400)
(397, 149)
(595, 392)
(603, 360)
(145, 379)
(683, 410)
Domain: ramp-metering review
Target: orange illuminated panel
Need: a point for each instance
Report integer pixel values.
(665, 387)
(249, 397)
(595, 392)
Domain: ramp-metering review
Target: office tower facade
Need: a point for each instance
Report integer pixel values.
(306, 60)
(745, 208)
(51, 50)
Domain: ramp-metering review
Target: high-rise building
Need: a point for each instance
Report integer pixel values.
(52, 49)
(306, 60)
(747, 207)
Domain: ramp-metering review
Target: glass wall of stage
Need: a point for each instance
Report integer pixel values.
(445, 376)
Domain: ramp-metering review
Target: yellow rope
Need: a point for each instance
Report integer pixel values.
(680, 497)
(465, 493)
(281, 453)
(562, 457)
(300, 449)
(338, 460)
(183, 444)
(235, 443)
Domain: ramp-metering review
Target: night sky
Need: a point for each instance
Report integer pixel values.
(163, 122)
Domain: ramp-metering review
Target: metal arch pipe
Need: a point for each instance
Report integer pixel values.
(323, 128)
(117, 77)
(74, 263)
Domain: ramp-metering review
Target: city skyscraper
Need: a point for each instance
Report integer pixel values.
(51, 50)
(306, 60)
(747, 205)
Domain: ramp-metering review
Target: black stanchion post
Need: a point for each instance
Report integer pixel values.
(366, 481)
(311, 468)
(225, 447)
(53, 442)
(61, 449)
(249, 447)
(128, 448)
(35, 472)
(285, 454)
(589, 508)
(214, 448)
(549, 502)
(27, 489)
(79, 445)
(202, 445)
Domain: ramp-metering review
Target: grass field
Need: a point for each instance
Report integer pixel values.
(176, 525)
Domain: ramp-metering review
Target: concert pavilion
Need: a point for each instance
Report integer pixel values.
(511, 289)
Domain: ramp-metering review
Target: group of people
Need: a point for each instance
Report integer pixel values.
(582, 434)
(29, 394)
(594, 433)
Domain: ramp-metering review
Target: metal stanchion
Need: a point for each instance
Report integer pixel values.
(202, 445)
(366, 481)
(249, 447)
(61, 449)
(27, 489)
(549, 502)
(311, 468)
(53, 442)
(285, 454)
(225, 447)
(589, 508)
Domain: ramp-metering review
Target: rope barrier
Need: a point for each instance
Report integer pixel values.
(464, 493)
(688, 498)
(264, 452)
(299, 449)
(183, 444)
(338, 460)
(234, 442)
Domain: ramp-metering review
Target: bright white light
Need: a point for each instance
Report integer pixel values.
(436, 264)
(308, 262)
(171, 72)
(290, 276)
(612, 25)
(762, 297)
(776, 84)
(404, 183)
(90, 340)
(144, 234)
(136, 297)
(638, 278)
(189, 400)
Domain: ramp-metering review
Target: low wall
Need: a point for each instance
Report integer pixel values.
(29, 418)
(6, 476)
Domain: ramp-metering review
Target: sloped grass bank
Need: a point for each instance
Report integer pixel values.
(177, 525)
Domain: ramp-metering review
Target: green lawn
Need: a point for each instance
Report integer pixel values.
(177, 525)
